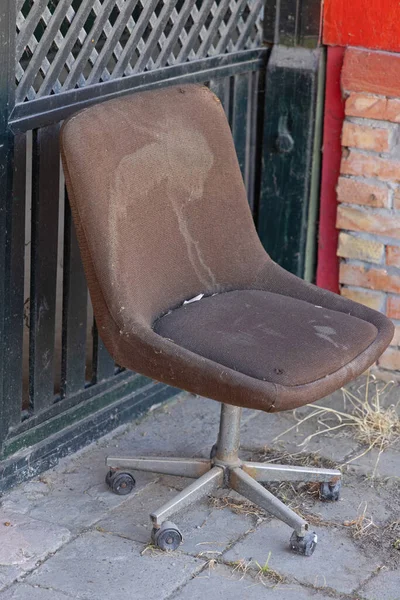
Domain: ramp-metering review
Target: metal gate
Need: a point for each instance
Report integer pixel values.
(59, 388)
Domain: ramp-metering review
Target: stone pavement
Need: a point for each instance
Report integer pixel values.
(65, 535)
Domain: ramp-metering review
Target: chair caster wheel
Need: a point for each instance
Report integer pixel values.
(120, 483)
(303, 545)
(213, 452)
(330, 491)
(167, 536)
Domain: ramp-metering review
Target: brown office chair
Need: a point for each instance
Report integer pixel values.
(162, 218)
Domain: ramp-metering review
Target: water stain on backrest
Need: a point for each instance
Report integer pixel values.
(177, 158)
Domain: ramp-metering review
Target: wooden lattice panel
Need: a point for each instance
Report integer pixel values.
(67, 44)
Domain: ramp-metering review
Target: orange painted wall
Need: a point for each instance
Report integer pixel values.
(367, 23)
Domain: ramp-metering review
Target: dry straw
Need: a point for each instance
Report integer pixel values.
(373, 425)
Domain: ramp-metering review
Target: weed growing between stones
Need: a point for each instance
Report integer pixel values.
(264, 574)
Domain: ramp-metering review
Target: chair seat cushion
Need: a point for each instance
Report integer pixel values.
(268, 336)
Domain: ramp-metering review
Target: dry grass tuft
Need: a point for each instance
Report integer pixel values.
(299, 497)
(376, 426)
(152, 550)
(238, 506)
(296, 495)
(300, 459)
(210, 565)
(372, 424)
(362, 525)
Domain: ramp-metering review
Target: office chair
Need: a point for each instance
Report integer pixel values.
(183, 291)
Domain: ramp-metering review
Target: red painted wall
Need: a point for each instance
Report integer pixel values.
(328, 263)
(367, 23)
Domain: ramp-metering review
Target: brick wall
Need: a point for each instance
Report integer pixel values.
(368, 190)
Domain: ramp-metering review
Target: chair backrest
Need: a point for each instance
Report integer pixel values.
(158, 200)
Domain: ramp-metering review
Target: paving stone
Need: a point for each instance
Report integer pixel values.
(356, 495)
(221, 583)
(259, 432)
(81, 490)
(206, 530)
(209, 531)
(334, 400)
(388, 465)
(337, 563)
(184, 428)
(25, 592)
(98, 563)
(24, 542)
(187, 427)
(132, 519)
(384, 586)
(334, 447)
(99, 566)
(339, 445)
(262, 431)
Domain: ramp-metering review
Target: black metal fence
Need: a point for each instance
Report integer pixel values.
(59, 388)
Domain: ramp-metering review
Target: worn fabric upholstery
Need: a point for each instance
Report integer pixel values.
(162, 216)
(267, 336)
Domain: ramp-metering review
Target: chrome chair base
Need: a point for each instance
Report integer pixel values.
(226, 470)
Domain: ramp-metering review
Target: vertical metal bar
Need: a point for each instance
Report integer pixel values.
(15, 285)
(27, 273)
(74, 314)
(103, 364)
(45, 201)
(239, 118)
(240, 104)
(259, 117)
(311, 244)
(229, 433)
(7, 100)
(221, 88)
(251, 143)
